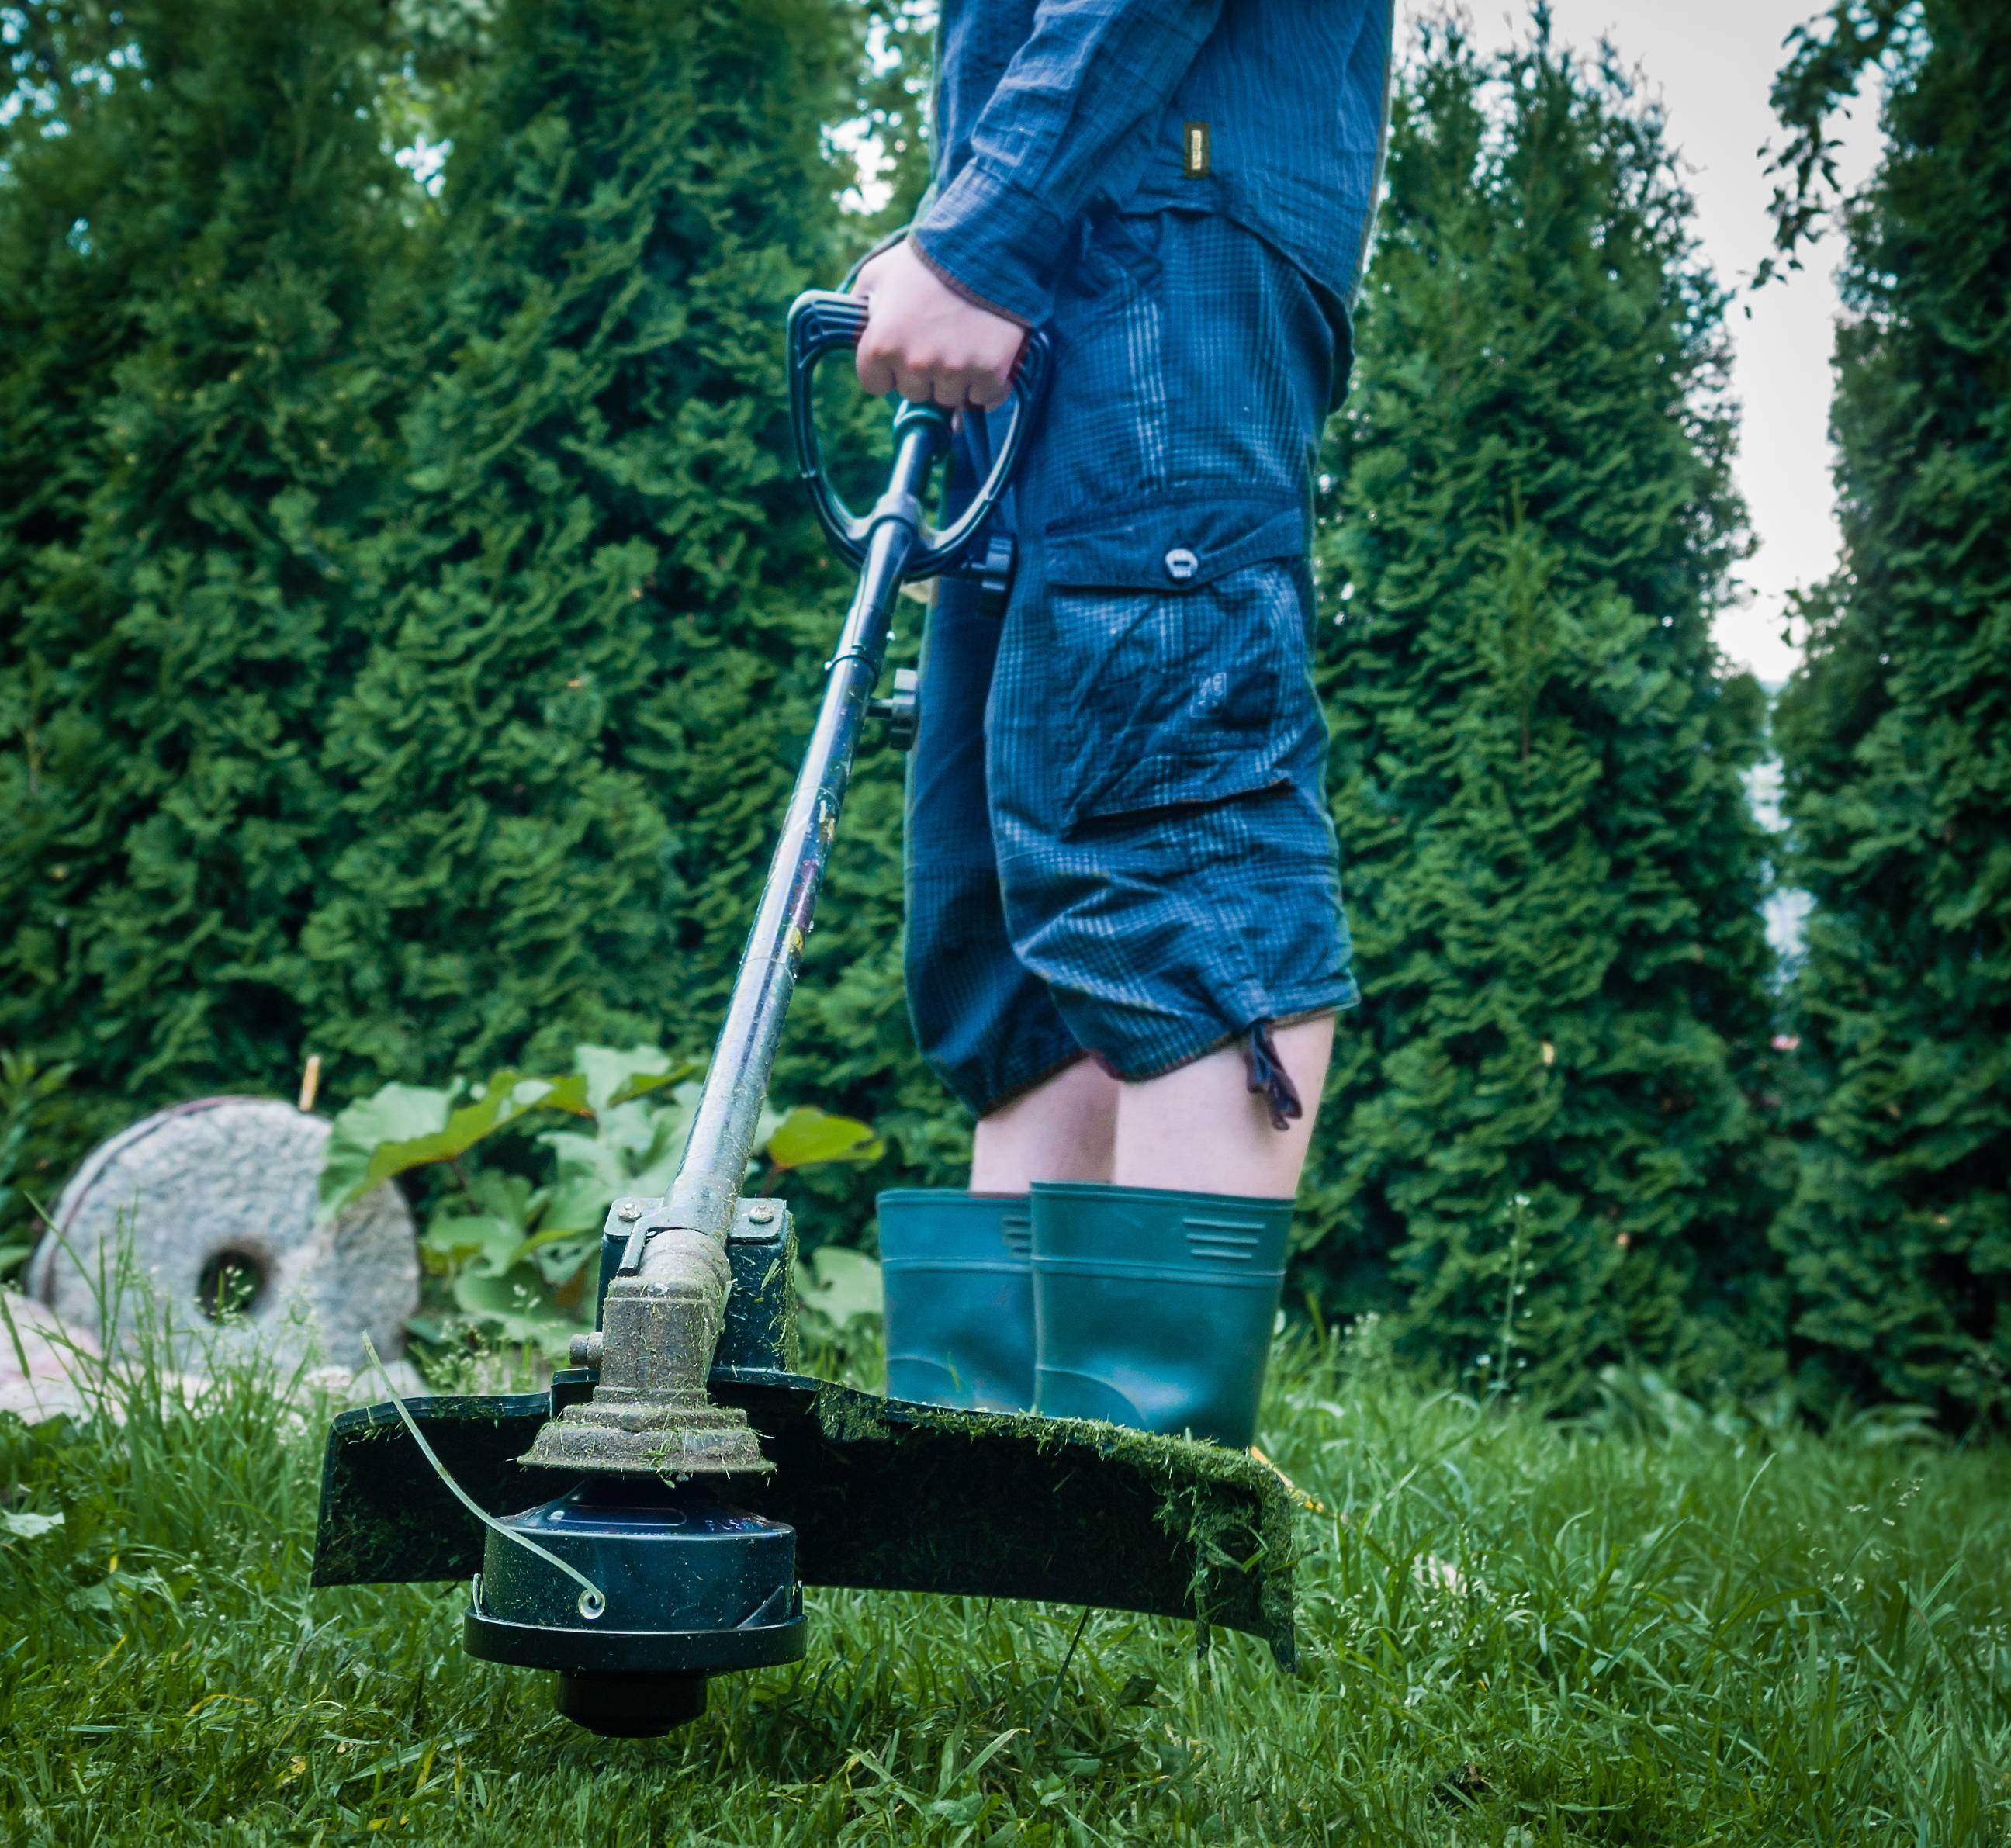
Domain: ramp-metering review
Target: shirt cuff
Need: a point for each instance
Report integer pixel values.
(994, 243)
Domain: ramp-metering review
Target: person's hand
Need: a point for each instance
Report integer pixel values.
(928, 343)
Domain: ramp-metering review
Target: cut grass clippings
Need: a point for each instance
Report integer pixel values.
(1643, 1628)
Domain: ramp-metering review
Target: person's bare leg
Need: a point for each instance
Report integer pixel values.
(1199, 1130)
(1064, 1129)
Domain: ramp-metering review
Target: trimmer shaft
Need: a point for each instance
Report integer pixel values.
(660, 1319)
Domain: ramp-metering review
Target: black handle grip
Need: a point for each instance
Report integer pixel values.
(821, 322)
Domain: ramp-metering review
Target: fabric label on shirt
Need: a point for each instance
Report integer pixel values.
(1195, 145)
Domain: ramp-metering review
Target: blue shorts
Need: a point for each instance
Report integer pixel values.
(1118, 840)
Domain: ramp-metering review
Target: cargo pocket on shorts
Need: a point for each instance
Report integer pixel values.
(1179, 649)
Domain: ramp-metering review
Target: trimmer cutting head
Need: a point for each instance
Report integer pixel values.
(689, 1586)
(701, 1578)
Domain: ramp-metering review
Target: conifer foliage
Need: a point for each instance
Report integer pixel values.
(408, 626)
(1540, 1128)
(1896, 732)
(195, 204)
(407, 619)
(595, 614)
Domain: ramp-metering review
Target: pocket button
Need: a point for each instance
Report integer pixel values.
(1181, 564)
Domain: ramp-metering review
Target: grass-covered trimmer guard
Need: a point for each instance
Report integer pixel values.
(652, 1518)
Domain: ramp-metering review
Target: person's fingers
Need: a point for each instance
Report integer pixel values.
(912, 385)
(951, 388)
(989, 390)
(875, 367)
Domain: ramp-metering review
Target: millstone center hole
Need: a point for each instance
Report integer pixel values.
(231, 1284)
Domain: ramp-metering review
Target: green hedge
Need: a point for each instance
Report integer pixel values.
(199, 416)
(1542, 1151)
(408, 624)
(1896, 735)
(405, 658)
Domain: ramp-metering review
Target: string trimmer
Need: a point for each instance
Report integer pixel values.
(684, 1480)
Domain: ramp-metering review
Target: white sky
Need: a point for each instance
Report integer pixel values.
(1712, 62)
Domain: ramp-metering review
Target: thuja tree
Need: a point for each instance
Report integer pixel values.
(1540, 1151)
(850, 1030)
(57, 159)
(196, 203)
(1896, 730)
(63, 148)
(411, 623)
(597, 620)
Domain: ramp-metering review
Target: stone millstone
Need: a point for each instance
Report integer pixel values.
(218, 1197)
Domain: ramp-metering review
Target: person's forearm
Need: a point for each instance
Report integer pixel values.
(1091, 74)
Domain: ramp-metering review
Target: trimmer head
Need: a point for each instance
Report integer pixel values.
(689, 1587)
(877, 1493)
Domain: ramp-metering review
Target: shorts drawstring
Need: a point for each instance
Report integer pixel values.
(1270, 1080)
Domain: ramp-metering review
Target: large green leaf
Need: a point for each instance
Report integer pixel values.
(646, 1083)
(393, 1114)
(558, 1256)
(656, 1163)
(614, 1077)
(634, 1149)
(591, 1172)
(807, 1136)
(840, 1284)
(508, 1096)
(483, 1243)
(515, 1307)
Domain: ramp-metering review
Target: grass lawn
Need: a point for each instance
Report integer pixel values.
(1641, 1627)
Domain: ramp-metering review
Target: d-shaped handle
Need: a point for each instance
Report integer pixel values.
(821, 322)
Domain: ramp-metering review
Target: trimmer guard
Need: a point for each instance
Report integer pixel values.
(885, 1495)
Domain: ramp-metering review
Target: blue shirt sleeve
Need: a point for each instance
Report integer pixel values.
(1090, 74)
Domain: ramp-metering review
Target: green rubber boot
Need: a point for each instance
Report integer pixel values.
(960, 1298)
(1155, 1308)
